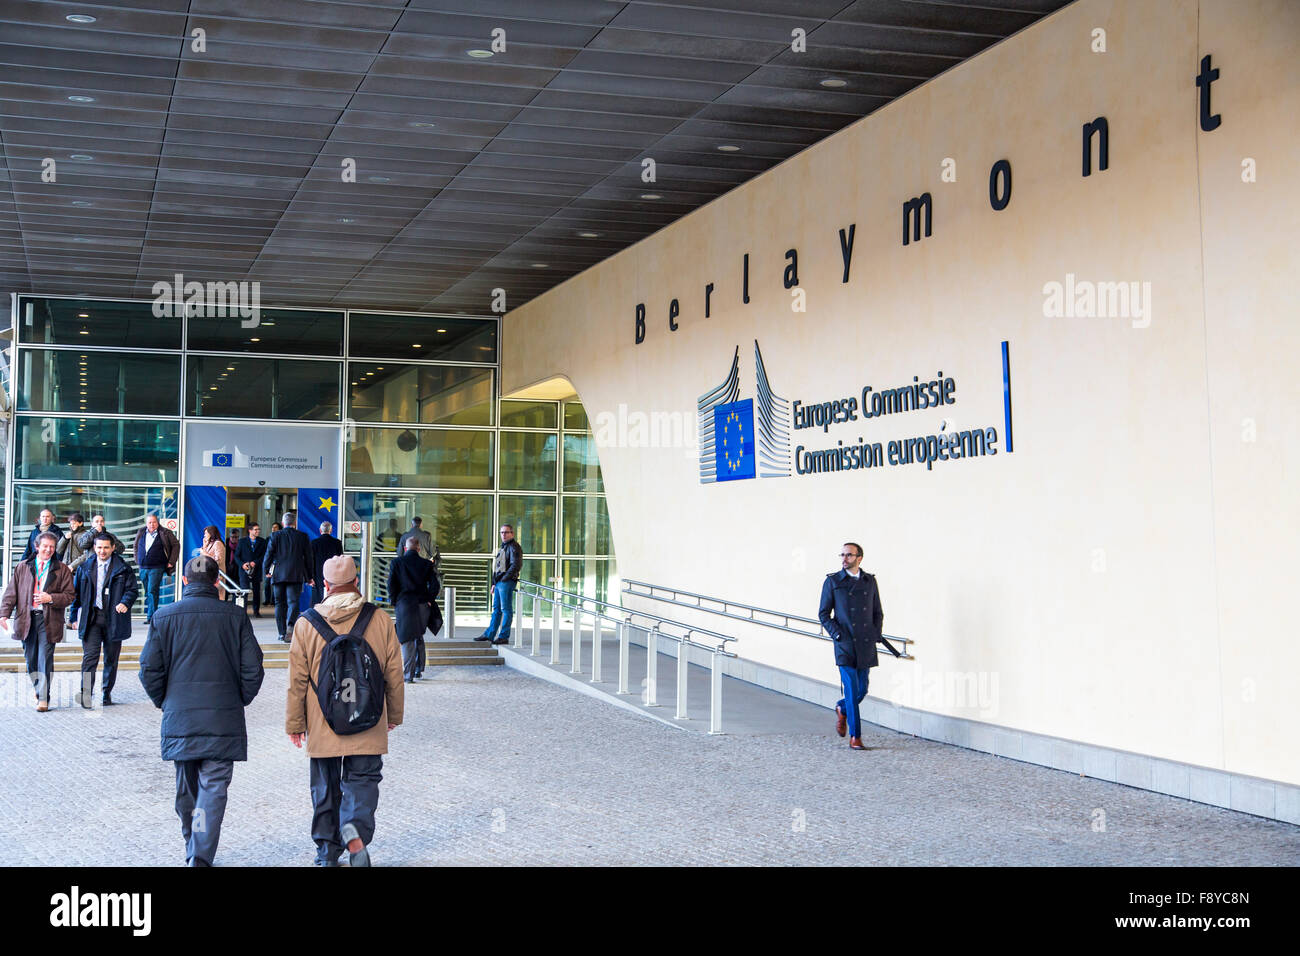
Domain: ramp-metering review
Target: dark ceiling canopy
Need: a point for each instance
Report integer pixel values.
(211, 137)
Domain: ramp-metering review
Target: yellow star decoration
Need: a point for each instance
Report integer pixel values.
(726, 429)
(326, 504)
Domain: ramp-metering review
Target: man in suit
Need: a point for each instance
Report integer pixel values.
(851, 614)
(44, 524)
(156, 554)
(288, 558)
(413, 589)
(250, 555)
(38, 591)
(322, 549)
(202, 666)
(105, 589)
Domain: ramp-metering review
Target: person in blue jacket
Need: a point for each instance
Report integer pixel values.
(106, 588)
(851, 614)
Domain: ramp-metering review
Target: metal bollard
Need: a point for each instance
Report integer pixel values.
(622, 656)
(652, 666)
(715, 696)
(555, 631)
(597, 635)
(449, 615)
(683, 661)
(537, 622)
(576, 666)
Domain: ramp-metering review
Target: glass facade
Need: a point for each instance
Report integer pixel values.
(102, 391)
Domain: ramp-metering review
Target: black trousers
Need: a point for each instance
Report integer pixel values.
(287, 594)
(252, 583)
(39, 652)
(96, 640)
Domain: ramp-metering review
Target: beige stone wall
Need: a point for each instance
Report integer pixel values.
(1124, 576)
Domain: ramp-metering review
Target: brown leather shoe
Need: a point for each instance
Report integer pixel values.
(42, 706)
(855, 744)
(841, 722)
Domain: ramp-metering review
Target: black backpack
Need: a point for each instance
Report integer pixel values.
(351, 686)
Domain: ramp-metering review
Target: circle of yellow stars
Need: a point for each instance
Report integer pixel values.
(726, 430)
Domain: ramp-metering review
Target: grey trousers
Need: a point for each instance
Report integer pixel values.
(413, 658)
(201, 787)
(343, 790)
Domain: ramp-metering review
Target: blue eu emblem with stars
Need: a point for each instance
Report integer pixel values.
(221, 459)
(733, 438)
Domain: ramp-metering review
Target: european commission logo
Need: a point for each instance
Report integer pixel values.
(220, 458)
(223, 459)
(747, 438)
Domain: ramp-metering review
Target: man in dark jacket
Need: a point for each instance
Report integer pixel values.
(73, 548)
(288, 558)
(413, 589)
(505, 576)
(44, 524)
(37, 593)
(105, 589)
(250, 556)
(98, 527)
(157, 553)
(851, 614)
(322, 549)
(202, 666)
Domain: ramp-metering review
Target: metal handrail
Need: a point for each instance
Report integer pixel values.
(623, 618)
(232, 586)
(630, 586)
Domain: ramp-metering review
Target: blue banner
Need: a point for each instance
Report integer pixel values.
(316, 505)
(204, 505)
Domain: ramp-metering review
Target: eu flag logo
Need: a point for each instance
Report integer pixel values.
(221, 459)
(733, 440)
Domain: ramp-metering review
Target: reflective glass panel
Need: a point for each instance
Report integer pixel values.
(592, 577)
(533, 517)
(123, 383)
(420, 394)
(528, 461)
(471, 577)
(515, 414)
(289, 331)
(586, 526)
(422, 337)
(88, 323)
(225, 387)
(90, 449)
(538, 571)
(124, 507)
(420, 458)
(459, 523)
(575, 417)
(581, 466)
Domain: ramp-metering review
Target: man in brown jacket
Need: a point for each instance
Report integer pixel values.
(345, 770)
(38, 591)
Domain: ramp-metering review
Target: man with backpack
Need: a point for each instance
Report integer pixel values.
(345, 694)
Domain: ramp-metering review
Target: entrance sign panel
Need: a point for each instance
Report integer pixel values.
(218, 453)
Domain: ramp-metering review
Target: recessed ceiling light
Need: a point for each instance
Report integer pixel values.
(81, 157)
(230, 368)
(212, 388)
(651, 196)
(254, 340)
(479, 54)
(268, 323)
(79, 18)
(442, 330)
(83, 332)
(834, 84)
(540, 265)
(416, 345)
(729, 148)
(83, 203)
(83, 315)
(83, 393)
(378, 179)
(422, 125)
(589, 235)
(80, 98)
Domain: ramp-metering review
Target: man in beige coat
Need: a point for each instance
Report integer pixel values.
(345, 770)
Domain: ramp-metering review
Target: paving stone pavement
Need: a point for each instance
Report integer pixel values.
(494, 767)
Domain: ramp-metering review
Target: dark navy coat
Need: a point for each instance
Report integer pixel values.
(251, 549)
(289, 556)
(202, 666)
(123, 588)
(851, 613)
(413, 589)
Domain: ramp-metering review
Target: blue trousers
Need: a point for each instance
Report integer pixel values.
(503, 609)
(39, 652)
(287, 595)
(201, 787)
(151, 581)
(343, 790)
(854, 682)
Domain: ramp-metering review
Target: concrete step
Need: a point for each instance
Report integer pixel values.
(72, 666)
(462, 659)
